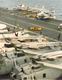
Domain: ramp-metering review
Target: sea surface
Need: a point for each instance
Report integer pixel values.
(55, 4)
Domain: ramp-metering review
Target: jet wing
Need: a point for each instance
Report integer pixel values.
(30, 52)
(50, 65)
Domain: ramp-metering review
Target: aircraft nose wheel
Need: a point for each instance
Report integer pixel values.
(13, 76)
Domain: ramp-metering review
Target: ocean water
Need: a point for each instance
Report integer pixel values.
(55, 4)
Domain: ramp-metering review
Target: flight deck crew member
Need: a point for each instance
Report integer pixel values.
(59, 36)
(16, 34)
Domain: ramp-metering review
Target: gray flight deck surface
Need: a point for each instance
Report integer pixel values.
(14, 18)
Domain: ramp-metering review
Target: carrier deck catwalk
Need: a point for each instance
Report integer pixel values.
(16, 18)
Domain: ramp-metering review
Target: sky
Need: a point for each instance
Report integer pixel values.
(57, 4)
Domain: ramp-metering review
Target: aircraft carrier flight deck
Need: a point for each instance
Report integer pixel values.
(15, 17)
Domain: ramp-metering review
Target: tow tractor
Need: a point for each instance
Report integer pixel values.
(36, 28)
